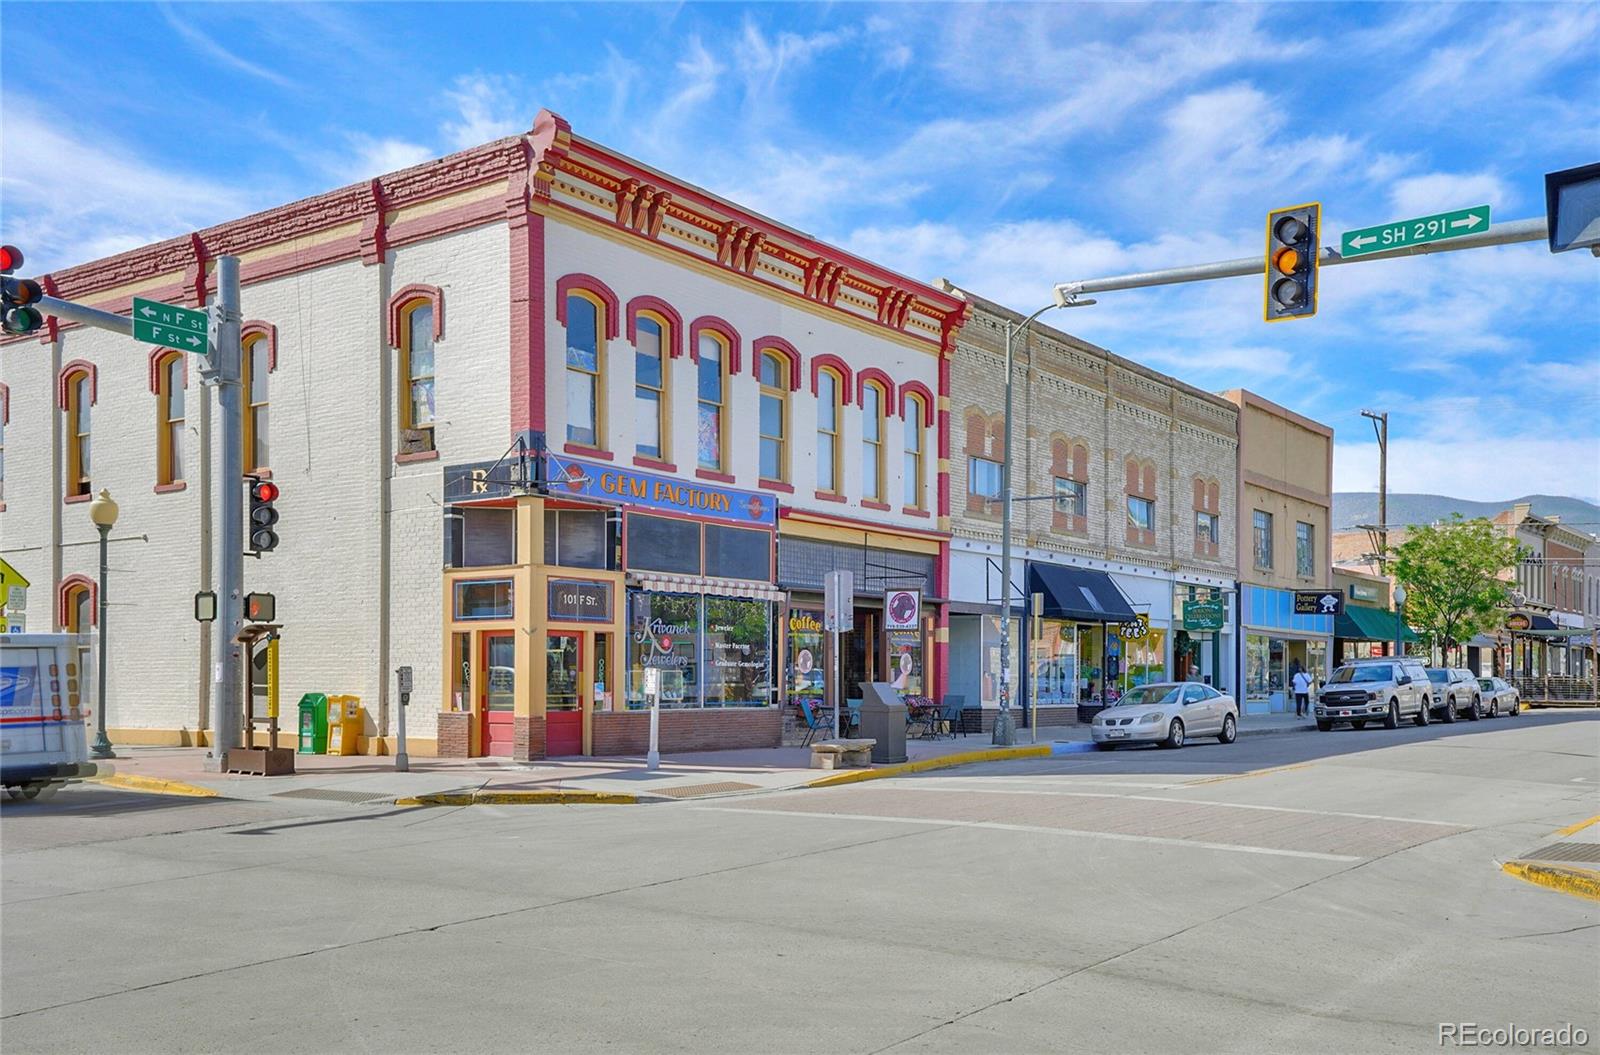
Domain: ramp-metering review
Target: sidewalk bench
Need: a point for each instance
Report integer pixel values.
(830, 754)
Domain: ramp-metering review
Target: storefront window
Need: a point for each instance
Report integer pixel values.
(664, 632)
(738, 553)
(738, 644)
(806, 676)
(1255, 667)
(1144, 659)
(663, 544)
(575, 538)
(990, 666)
(1055, 664)
(483, 599)
(903, 666)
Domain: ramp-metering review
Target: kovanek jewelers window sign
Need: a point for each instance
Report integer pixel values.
(711, 651)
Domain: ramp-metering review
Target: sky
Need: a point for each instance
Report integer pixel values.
(1005, 147)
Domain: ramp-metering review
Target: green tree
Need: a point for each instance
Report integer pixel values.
(1452, 574)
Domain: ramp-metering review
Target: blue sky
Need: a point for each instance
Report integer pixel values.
(1006, 147)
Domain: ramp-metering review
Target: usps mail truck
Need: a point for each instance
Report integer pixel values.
(43, 718)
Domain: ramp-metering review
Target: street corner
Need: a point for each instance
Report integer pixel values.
(1565, 879)
(923, 765)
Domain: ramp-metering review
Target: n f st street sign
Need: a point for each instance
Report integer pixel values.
(186, 329)
(1398, 234)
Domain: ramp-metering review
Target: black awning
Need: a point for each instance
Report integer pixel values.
(1083, 594)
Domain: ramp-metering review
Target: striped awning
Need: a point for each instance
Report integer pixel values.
(661, 582)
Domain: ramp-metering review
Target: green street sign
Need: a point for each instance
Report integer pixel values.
(171, 326)
(1401, 233)
(1204, 615)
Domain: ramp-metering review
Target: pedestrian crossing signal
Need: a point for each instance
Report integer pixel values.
(1293, 248)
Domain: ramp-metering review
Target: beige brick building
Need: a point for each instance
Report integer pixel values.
(1130, 477)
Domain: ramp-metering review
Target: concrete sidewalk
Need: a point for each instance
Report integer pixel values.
(367, 779)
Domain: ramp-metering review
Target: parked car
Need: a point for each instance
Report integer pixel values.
(1166, 713)
(1499, 697)
(1455, 692)
(1375, 690)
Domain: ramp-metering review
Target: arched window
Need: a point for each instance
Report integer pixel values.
(652, 337)
(775, 383)
(914, 412)
(829, 416)
(1207, 517)
(79, 399)
(76, 605)
(872, 469)
(585, 368)
(1069, 464)
(1140, 489)
(257, 363)
(172, 375)
(417, 406)
(711, 373)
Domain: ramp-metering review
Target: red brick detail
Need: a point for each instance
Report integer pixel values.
(1069, 460)
(416, 293)
(257, 328)
(175, 486)
(1140, 482)
(646, 302)
(416, 456)
(868, 503)
(943, 439)
(568, 284)
(527, 319)
(652, 464)
(581, 451)
(69, 586)
(838, 366)
(454, 733)
(687, 729)
(51, 330)
(157, 358)
(920, 390)
(875, 376)
(5, 404)
(776, 344)
(374, 236)
(829, 496)
(67, 377)
(527, 739)
(721, 327)
(776, 485)
(194, 275)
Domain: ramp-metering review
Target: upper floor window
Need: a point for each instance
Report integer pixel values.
(1207, 517)
(872, 442)
(171, 374)
(80, 398)
(1262, 527)
(914, 469)
(774, 416)
(77, 608)
(983, 479)
(1141, 494)
(1206, 533)
(650, 387)
(1141, 514)
(1305, 559)
(1072, 498)
(712, 378)
(417, 368)
(1069, 465)
(257, 363)
(828, 418)
(585, 370)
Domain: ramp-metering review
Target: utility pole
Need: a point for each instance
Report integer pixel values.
(1380, 426)
(225, 362)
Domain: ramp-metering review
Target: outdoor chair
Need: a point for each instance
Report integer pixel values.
(950, 714)
(815, 721)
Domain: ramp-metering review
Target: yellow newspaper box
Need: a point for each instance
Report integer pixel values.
(344, 724)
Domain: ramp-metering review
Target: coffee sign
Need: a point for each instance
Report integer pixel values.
(579, 601)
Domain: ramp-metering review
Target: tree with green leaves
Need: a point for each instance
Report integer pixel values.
(1452, 574)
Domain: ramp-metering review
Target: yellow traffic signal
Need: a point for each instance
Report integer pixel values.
(1291, 263)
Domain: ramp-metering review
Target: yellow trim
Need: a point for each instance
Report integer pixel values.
(488, 192)
(725, 351)
(1573, 829)
(77, 390)
(73, 626)
(245, 376)
(609, 231)
(1316, 261)
(883, 408)
(407, 310)
(154, 786)
(837, 432)
(1578, 882)
(921, 453)
(601, 322)
(664, 393)
(304, 242)
(966, 758)
(782, 395)
(795, 526)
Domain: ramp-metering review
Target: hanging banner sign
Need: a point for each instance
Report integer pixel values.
(568, 477)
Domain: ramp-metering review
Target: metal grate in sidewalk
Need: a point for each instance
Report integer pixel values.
(694, 791)
(1566, 851)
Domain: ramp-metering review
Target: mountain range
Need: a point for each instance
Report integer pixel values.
(1352, 508)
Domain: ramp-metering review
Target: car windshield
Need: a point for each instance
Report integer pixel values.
(1148, 695)
(1356, 675)
(1438, 676)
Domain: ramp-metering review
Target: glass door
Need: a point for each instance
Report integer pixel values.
(563, 694)
(499, 693)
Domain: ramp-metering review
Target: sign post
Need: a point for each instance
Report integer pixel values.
(652, 689)
(1397, 234)
(402, 762)
(838, 612)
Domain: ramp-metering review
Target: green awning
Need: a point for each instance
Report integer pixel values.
(1360, 623)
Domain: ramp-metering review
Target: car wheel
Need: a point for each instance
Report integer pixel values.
(1494, 709)
(1424, 713)
(1324, 726)
(1105, 747)
(1392, 719)
(1516, 708)
(1476, 710)
(1450, 709)
(1174, 734)
(1230, 730)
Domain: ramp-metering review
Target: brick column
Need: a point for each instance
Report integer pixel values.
(455, 734)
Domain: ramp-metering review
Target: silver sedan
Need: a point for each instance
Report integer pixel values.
(1167, 713)
(1499, 698)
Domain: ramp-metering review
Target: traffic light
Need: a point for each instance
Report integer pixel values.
(1292, 251)
(262, 515)
(18, 314)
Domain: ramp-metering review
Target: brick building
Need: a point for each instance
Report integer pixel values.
(1134, 473)
(543, 418)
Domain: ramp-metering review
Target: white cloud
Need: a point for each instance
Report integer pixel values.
(206, 46)
(487, 110)
(1485, 467)
(369, 157)
(1442, 191)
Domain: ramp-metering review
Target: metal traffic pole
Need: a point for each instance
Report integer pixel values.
(226, 365)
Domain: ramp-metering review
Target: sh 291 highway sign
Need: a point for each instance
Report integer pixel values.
(1398, 234)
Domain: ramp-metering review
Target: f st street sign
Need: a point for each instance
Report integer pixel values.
(168, 325)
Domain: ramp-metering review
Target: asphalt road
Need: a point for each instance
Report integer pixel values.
(1335, 892)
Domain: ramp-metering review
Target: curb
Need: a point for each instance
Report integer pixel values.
(521, 798)
(155, 786)
(998, 754)
(1578, 882)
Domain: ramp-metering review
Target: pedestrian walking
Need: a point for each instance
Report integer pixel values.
(1302, 693)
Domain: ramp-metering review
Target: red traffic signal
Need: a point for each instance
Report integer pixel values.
(265, 491)
(10, 259)
(263, 516)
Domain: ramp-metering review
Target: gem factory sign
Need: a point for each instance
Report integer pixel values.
(606, 483)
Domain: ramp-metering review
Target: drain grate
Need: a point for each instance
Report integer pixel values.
(333, 795)
(693, 791)
(1566, 852)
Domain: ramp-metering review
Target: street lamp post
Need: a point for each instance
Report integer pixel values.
(103, 511)
(1399, 620)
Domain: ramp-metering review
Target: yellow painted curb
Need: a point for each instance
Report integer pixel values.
(521, 798)
(998, 754)
(130, 782)
(1580, 826)
(1579, 882)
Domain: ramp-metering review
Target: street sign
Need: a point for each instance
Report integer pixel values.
(1204, 615)
(1318, 602)
(838, 600)
(1401, 233)
(170, 326)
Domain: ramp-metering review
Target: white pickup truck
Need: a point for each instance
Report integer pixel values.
(43, 737)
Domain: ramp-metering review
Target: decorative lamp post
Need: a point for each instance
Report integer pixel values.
(1399, 620)
(103, 511)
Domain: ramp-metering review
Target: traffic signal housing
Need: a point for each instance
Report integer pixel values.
(18, 312)
(1293, 247)
(263, 516)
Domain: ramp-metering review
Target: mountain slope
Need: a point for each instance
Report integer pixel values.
(1351, 508)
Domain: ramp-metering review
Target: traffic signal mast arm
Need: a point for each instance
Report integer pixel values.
(87, 316)
(1067, 293)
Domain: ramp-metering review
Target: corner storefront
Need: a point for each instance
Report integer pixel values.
(1277, 644)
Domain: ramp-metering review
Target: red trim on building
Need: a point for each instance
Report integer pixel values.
(651, 463)
(919, 389)
(416, 456)
(5, 403)
(943, 434)
(567, 284)
(840, 367)
(869, 503)
(775, 485)
(719, 326)
(172, 488)
(783, 348)
(71, 370)
(645, 302)
(578, 450)
(910, 512)
(417, 292)
(257, 328)
(159, 356)
(883, 381)
(707, 474)
(51, 329)
(68, 585)
(374, 237)
(829, 496)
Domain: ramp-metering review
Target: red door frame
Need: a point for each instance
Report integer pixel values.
(563, 730)
(498, 726)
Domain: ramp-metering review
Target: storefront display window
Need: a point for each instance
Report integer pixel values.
(711, 651)
(989, 669)
(483, 599)
(1144, 659)
(1255, 667)
(904, 660)
(1055, 664)
(806, 676)
(737, 639)
(664, 632)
